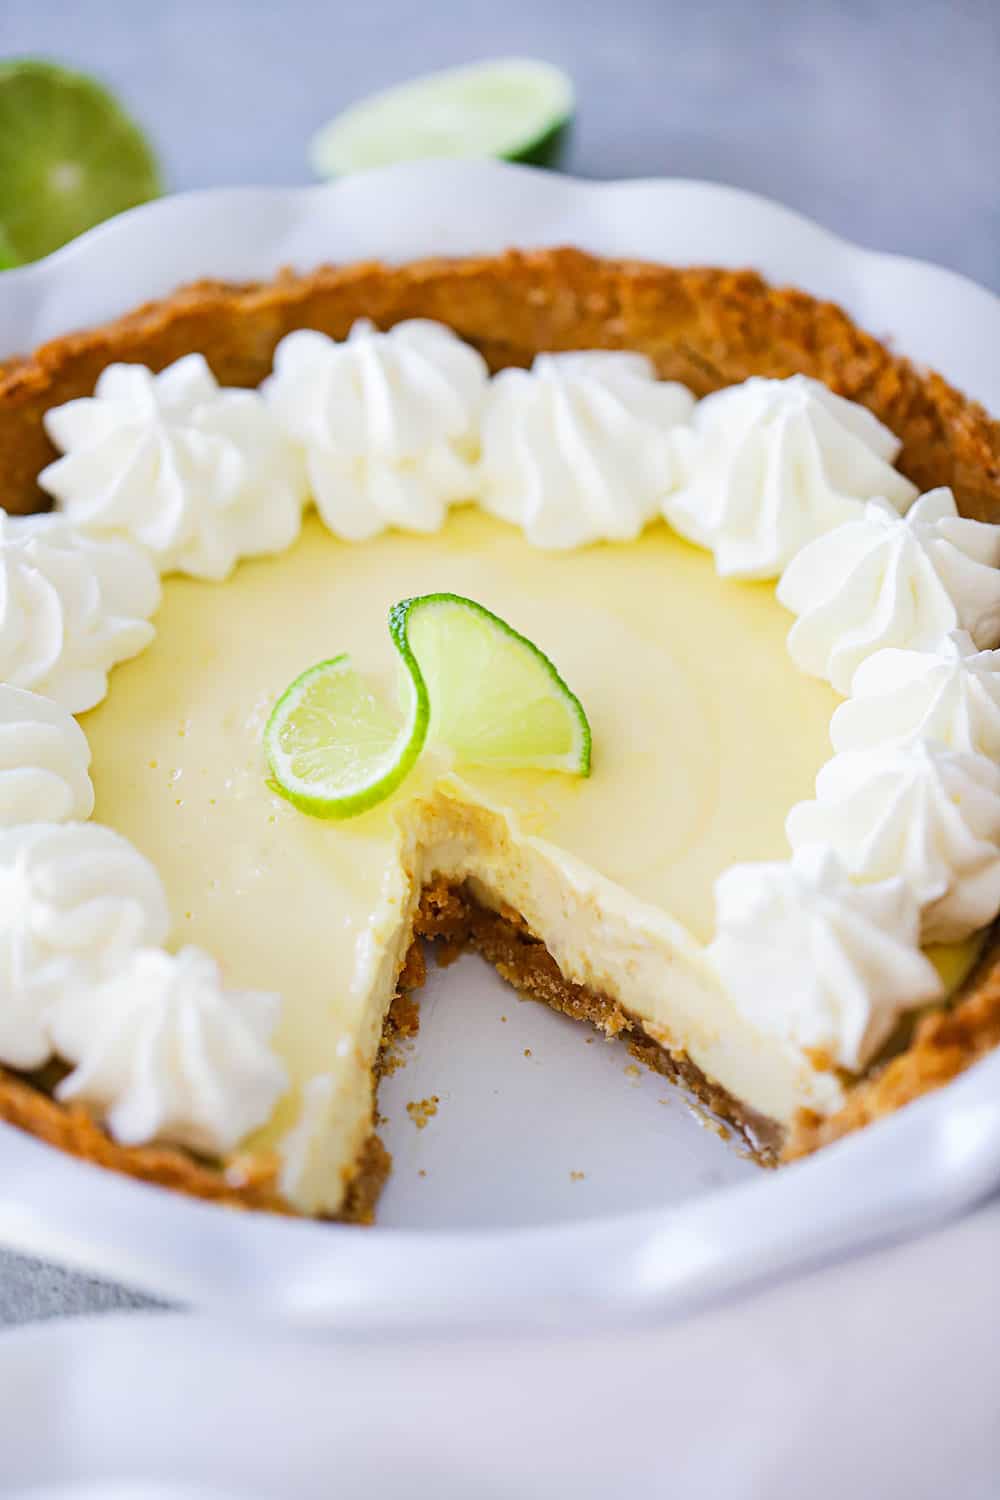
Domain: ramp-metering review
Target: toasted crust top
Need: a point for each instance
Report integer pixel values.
(705, 327)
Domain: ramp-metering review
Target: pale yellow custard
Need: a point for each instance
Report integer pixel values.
(704, 736)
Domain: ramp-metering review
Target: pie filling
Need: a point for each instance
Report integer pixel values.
(614, 874)
(655, 896)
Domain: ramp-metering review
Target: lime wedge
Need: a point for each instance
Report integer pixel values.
(488, 694)
(515, 108)
(496, 700)
(333, 749)
(69, 157)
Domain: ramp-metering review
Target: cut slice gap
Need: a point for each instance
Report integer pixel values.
(495, 1152)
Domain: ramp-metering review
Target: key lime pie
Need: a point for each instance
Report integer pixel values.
(696, 589)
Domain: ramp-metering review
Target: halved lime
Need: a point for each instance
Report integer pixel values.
(515, 108)
(70, 157)
(333, 748)
(496, 699)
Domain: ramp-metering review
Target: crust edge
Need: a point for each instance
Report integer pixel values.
(705, 326)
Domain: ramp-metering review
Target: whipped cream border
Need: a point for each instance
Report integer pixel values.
(669, 484)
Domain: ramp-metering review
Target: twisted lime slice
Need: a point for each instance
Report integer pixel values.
(334, 749)
(514, 108)
(69, 157)
(496, 700)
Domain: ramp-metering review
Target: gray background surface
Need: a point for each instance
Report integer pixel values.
(880, 119)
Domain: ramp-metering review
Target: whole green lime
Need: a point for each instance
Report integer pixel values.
(70, 157)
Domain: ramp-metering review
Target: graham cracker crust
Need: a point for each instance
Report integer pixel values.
(706, 327)
(703, 326)
(452, 917)
(24, 1102)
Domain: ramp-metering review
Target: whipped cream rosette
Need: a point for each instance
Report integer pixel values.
(771, 464)
(75, 899)
(888, 580)
(71, 607)
(198, 475)
(919, 811)
(811, 957)
(578, 448)
(950, 694)
(388, 423)
(163, 1051)
(44, 761)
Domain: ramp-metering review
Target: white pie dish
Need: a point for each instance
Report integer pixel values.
(929, 1161)
(506, 1412)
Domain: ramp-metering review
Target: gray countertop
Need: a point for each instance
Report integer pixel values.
(880, 118)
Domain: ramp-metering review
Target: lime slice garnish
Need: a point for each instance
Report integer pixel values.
(496, 700)
(69, 157)
(516, 108)
(333, 748)
(468, 679)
